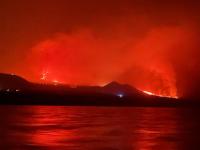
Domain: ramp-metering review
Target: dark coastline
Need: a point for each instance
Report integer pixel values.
(90, 99)
(18, 91)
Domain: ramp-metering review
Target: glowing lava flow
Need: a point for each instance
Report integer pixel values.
(153, 94)
(149, 93)
(44, 76)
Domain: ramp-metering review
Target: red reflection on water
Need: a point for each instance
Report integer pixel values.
(49, 126)
(91, 128)
(156, 129)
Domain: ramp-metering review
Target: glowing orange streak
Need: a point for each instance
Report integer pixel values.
(150, 93)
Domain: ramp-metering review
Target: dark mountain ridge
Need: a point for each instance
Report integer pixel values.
(112, 94)
(11, 81)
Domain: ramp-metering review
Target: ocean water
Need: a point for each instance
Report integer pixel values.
(98, 128)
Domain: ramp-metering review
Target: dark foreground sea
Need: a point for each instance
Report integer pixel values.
(98, 128)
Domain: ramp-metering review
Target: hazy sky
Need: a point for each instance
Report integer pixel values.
(153, 45)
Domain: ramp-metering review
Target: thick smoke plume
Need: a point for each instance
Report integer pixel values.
(87, 58)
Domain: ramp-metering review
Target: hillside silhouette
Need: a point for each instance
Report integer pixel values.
(19, 91)
(11, 81)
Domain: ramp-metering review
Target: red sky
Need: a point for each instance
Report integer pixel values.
(152, 45)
